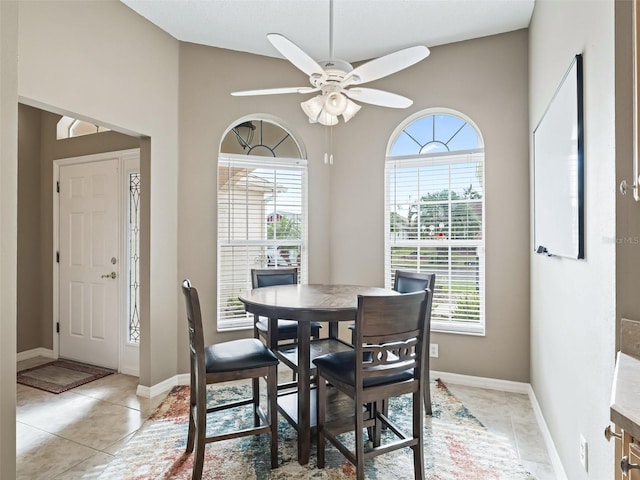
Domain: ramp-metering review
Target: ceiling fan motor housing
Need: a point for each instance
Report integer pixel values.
(334, 72)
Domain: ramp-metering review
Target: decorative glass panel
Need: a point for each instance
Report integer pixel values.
(133, 313)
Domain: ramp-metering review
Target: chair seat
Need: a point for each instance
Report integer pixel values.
(235, 355)
(341, 366)
(287, 328)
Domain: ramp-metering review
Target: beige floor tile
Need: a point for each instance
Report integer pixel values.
(82, 419)
(542, 471)
(115, 447)
(91, 468)
(531, 445)
(29, 402)
(121, 390)
(42, 456)
(510, 416)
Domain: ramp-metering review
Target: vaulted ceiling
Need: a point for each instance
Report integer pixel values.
(362, 29)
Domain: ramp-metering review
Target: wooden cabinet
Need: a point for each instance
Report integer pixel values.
(628, 453)
(625, 415)
(630, 463)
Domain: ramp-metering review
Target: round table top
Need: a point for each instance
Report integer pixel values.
(308, 302)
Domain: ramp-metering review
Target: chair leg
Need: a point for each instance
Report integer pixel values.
(385, 407)
(321, 392)
(272, 396)
(191, 435)
(371, 431)
(359, 427)
(418, 451)
(192, 404)
(377, 427)
(255, 394)
(427, 398)
(201, 430)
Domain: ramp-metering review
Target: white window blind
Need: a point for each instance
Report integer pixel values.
(262, 223)
(434, 222)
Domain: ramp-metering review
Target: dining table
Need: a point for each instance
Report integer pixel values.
(304, 304)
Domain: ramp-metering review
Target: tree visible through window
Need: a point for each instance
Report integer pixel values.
(435, 215)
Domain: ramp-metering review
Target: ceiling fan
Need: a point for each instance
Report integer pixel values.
(338, 82)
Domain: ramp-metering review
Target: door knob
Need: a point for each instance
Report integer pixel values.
(626, 465)
(110, 275)
(608, 434)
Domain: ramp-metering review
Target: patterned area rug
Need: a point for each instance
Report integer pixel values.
(61, 375)
(456, 445)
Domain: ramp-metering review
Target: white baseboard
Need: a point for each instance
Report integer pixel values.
(546, 434)
(482, 382)
(158, 388)
(36, 352)
(513, 387)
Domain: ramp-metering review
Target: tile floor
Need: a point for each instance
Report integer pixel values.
(75, 434)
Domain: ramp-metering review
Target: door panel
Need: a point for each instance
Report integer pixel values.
(89, 233)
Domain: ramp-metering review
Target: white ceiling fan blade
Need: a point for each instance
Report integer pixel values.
(295, 54)
(386, 65)
(378, 97)
(274, 91)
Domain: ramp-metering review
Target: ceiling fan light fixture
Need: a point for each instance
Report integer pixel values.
(313, 108)
(350, 110)
(335, 103)
(325, 118)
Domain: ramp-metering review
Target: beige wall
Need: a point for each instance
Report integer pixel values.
(207, 110)
(37, 149)
(9, 229)
(573, 303)
(129, 82)
(31, 328)
(484, 79)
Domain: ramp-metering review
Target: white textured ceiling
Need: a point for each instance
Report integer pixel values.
(362, 29)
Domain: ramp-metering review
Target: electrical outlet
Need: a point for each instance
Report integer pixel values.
(433, 350)
(584, 453)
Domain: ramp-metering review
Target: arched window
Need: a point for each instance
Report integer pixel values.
(434, 215)
(69, 127)
(262, 211)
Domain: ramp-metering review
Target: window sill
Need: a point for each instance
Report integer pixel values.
(458, 328)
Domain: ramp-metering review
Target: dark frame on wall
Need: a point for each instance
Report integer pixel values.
(558, 150)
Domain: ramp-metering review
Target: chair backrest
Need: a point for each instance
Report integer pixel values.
(405, 282)
(390, 334)
(268, 277)
(194, 318)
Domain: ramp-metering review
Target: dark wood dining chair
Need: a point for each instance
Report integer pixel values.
(287, 329)
(387, 361)
(406, 282)
(246, 358)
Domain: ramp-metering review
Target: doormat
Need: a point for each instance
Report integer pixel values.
(61, 375)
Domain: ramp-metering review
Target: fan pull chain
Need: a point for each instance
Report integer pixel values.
(328, 157)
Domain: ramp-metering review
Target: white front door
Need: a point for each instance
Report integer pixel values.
(89, 264)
